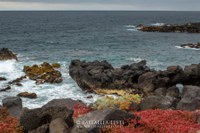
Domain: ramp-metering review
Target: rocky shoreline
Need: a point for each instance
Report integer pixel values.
(191, 45)
(189, 28)
(129, 92)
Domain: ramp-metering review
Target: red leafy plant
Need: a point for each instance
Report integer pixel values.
(80, 109)
(161, 121)
(8, 124)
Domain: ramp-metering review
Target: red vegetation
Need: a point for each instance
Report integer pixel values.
(80, 109)
(8, 124)
(161, 121)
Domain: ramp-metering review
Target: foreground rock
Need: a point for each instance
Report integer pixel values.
(37, 119)
(27, 95)
(6, 54)
(190, 99)
(14, 105)
(96, 120)
(190, 45)
(189, 27)
(43, 73)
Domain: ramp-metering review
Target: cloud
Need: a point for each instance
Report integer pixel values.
(99, 4)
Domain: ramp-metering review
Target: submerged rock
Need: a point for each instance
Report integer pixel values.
(43, 73)
(27, 95)
(189, 27)
(5, 89)
(6, 54)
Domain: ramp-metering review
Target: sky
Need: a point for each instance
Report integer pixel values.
(166, 5)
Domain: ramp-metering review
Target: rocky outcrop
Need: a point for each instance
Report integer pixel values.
(17, 81)
(190, 98)
(5, 89)
(35, 119)
(6, 54)
(14, 105)
(190, 45)
(27, 95)
(96, 120)
(189, 27)
(91, 76)
(43, 73)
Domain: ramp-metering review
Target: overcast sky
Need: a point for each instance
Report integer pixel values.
(184, 5)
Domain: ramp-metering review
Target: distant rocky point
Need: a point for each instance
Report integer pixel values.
(190, 45)
(189, 28)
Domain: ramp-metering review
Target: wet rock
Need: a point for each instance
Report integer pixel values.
(31, 119)
(27, 95)
(189, 27)
(100, 118)
(5, 89)
(190, 45)
(43, 73)
(58, 126)
(55, 65)
(156, 102)
(14, 105)
(6, 54)
(17, 81)
(2, 79)
(190, 98)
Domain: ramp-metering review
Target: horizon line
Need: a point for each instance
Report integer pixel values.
(112, 10)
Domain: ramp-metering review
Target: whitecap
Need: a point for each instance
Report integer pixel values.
(157, 24)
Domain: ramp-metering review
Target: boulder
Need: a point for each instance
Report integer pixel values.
(27, 95)
(31, 119)
(14, 105)
(156, 102)
(43, 73)
(190, 98)
(69, 103)
(58, 126)
(192, 73)
(147, 82)
(98, 119)
(6, 54)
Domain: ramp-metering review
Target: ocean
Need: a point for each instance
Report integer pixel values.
(62, 36)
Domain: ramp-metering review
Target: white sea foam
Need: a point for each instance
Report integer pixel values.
(45, 92)
(138, 59)
(131, 28)
(158, 24)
